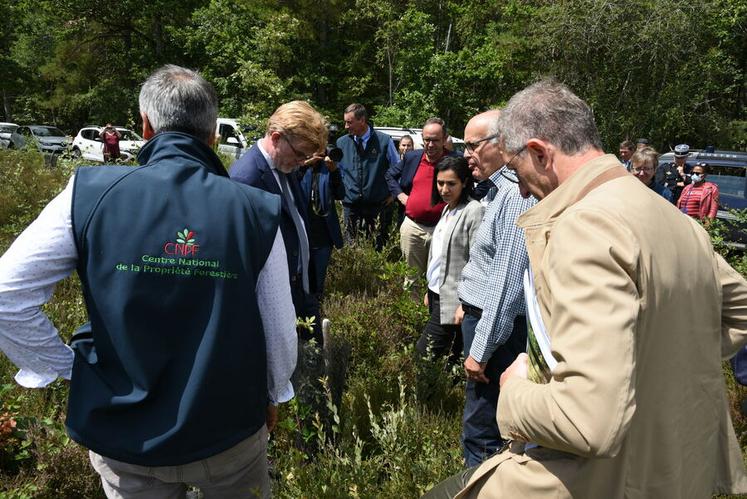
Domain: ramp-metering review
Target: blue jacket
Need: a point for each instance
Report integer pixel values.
(662, 190)
(328, 188)
(400, 176)
(363, 177)
(171, 367)
(252, 169)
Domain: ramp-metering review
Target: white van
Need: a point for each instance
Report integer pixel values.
(417, 136)
(231, 140)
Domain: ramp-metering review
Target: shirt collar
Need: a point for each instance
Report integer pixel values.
(265, 154)
(552, 206)
(364, 138)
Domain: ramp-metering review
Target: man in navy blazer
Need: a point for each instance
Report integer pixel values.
(411, 182)
(296, 133)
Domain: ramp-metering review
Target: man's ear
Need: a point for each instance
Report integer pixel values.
(540, 150)
(148, 132)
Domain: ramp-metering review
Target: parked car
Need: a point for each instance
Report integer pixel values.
(6, 129)
(89, 145)
(231, 139)
(47, 139)
(417, 137)
(728, 170)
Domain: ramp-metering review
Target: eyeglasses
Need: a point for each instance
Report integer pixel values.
(509, 174)
(636, 171)
(299, 155)
(471, 147)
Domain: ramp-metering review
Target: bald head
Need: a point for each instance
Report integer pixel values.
(481, 138)
(488, 119)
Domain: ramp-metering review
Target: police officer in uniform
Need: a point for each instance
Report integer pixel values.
(675, 176)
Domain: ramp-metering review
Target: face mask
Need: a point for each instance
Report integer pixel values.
(696, 178)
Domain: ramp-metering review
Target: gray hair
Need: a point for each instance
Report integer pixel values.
(549, 111)
(180, 100)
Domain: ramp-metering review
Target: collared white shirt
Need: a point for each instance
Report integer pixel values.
(45, 253)
(273, 168)
(440, 233)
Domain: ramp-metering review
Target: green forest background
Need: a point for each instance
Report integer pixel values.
(668, 70)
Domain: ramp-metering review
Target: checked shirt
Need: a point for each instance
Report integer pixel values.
(492, 280)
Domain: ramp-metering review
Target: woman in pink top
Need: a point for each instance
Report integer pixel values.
(699, 199)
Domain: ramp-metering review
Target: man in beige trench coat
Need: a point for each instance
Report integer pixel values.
(640, 312)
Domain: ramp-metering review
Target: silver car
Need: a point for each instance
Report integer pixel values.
(6, 129)
(47, 139)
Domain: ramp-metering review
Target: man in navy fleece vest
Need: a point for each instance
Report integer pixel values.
(191, 341)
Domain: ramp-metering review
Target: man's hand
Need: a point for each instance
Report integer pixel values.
(518, 368)
(458, 315)
(425, 299)
(272, 417)
(402, 198)
(475, 370)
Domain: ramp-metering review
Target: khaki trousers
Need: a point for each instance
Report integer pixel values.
(415, 240)
(238, 472)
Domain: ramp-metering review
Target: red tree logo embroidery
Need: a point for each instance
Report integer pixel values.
(184, 246)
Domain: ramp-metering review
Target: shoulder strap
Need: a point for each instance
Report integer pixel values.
(602, 178)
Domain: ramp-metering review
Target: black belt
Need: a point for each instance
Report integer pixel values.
(471, 310)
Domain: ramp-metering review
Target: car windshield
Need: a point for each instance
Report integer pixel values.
(128, 134)
(47, 131)
(730, 180)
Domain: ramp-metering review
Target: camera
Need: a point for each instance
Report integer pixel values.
(334, 153)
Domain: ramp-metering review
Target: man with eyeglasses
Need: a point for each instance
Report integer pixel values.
(367, 155)
(296, 133)
(639, 313)
(411, 182)
(491, 292)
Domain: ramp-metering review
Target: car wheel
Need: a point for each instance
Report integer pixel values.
(76, 153)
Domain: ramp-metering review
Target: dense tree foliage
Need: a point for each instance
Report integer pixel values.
(668, 70)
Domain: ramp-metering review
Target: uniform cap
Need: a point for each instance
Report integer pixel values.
(681, 150)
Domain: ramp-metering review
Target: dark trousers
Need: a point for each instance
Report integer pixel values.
(312, 307)
(480, 434)
(443, 339)
(369, 220)
(320, 260)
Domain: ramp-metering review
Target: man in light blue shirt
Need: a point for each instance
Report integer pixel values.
(491, 291)
(367, 155)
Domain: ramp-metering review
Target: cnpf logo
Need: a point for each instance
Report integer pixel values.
(184, 246)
